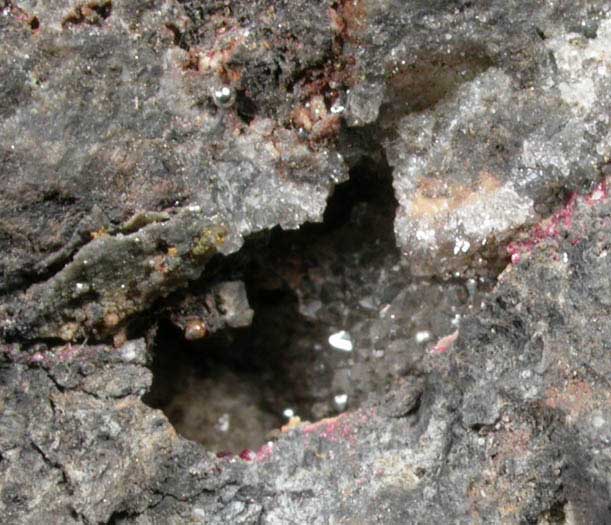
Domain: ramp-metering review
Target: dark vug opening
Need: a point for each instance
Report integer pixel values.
(235, 388)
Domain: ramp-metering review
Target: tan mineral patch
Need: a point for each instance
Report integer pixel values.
(393, 471)
(576, 399)
(435, 196)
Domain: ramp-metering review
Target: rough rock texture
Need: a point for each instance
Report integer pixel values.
(121, 168)
(450, 320)
(483, 119)
(510, 425)
(306, 288)
(139, 138)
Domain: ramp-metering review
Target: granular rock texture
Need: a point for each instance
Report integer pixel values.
(510, 425)
(485, 120)
(437, 346)
(122, 169)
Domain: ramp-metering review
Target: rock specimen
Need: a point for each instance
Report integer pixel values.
(484, 120)
(446, 328)
(122, 168)
(512, 424)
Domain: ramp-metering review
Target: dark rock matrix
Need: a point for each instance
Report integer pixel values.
(305, 262)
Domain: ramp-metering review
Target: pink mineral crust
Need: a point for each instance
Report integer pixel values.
(265, 452)
(248, 455)
(516, 258)
(68, 352)
(552, 227)
(37, 357)
(445, 343)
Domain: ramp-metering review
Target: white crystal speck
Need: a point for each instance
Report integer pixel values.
(341, 341)
(340, 401)
(423, 336)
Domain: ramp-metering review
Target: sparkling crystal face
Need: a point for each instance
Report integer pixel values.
(341, 341)
(224, 96)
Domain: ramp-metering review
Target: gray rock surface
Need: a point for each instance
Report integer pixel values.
(149, 151)
(114, 151)
(512, 424)
(483, 119)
